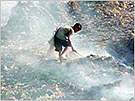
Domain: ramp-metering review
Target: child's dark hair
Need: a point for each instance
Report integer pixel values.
(78, 26)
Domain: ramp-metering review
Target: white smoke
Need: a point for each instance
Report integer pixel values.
(29, 50)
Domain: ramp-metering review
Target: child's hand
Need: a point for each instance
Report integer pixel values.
(74, 50)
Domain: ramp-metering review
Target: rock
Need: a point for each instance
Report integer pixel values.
(103, 98)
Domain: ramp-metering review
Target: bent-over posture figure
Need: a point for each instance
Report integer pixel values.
(62, 38)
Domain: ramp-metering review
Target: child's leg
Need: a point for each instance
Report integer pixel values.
(60, 56)
(66, 48)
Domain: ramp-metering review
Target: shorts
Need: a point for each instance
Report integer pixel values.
(58, 43)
